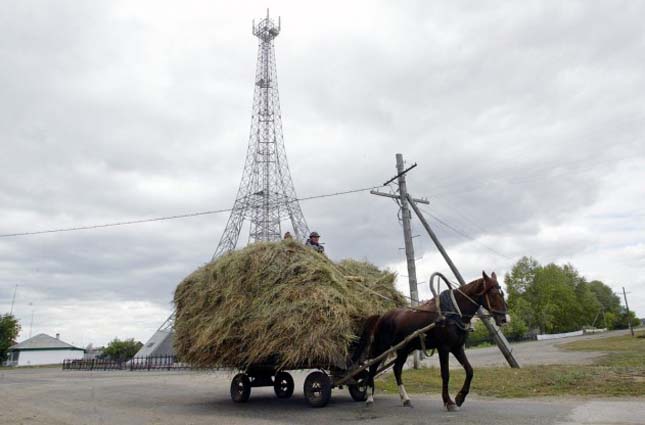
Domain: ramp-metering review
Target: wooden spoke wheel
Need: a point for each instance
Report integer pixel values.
(241, 388)
(283, 385)
(317, 389)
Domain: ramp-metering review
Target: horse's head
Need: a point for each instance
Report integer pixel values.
(492, 298)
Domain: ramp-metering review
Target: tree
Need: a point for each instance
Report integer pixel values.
(521, 309)
(122, 350)
(516, 328)
(589, 306)
(9, 330)
(609, 301)
(479, 335)
(554, 298)
(621, 321)
(521, 278)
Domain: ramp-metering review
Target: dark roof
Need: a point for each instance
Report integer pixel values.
(43, 342)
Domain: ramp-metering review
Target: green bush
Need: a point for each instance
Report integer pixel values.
(479, 335)
(122, 350)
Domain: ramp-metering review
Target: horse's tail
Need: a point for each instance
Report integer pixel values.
(366, 337)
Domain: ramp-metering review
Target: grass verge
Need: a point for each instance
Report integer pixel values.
(621, 373)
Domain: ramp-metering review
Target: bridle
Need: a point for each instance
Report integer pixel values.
(483, 299)
(489, 305)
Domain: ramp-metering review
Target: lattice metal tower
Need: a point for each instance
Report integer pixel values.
(266, 195)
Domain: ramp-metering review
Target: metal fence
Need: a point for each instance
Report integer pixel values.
(136, 363)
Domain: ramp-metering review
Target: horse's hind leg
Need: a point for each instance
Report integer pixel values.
(401, 357)
(445, 378)
(460, 355)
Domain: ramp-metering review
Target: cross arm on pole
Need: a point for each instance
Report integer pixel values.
(401, 173)
(389, 195)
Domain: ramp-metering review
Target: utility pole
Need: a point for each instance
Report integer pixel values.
(406, 215)
(409, 246)
(631, 329)
(405, 199)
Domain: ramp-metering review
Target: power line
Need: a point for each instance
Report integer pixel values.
(467, 220)
(170, 217)
(365, 189)
(465, 235)
(118, 223)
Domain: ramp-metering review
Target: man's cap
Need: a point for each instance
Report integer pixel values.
(314, 235)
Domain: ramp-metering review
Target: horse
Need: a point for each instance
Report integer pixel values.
(448, 336)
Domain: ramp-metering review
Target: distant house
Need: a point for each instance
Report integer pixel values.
(42, 349)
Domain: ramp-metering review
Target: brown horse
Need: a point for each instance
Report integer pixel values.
(448, 336)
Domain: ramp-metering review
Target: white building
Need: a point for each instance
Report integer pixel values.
(42, 349)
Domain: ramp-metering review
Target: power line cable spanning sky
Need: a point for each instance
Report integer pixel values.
(170, 217)
(571, 167)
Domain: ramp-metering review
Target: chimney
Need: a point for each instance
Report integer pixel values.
(57, 336)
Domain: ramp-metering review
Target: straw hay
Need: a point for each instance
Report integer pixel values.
(279, 303)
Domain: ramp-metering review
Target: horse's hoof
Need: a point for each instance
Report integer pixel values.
(452, 407)
(369, 403)
(407, 403)
(460, 399)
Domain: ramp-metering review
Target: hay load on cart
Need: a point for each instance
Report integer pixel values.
(276, 306)
(279, 303)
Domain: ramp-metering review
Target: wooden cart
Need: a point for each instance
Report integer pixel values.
(319, 383)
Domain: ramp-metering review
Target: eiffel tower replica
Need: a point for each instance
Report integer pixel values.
(266, 196)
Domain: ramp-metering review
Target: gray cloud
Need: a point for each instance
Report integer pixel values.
(526, 121)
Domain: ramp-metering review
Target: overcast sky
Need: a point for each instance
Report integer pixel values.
(526, 119)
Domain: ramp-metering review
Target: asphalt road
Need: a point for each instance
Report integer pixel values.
(55, 397)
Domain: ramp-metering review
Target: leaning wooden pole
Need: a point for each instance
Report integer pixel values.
(629, 319)
(499, 338)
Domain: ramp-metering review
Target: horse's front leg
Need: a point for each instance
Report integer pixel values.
(401, 357)
(460, 355)
(370, 383)
(444, 359)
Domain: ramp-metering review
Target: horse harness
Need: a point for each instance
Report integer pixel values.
(450, 313)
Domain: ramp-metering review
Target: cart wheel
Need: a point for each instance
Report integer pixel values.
(283, 385)
(240, 388)
(317, 389)
(358, 391)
